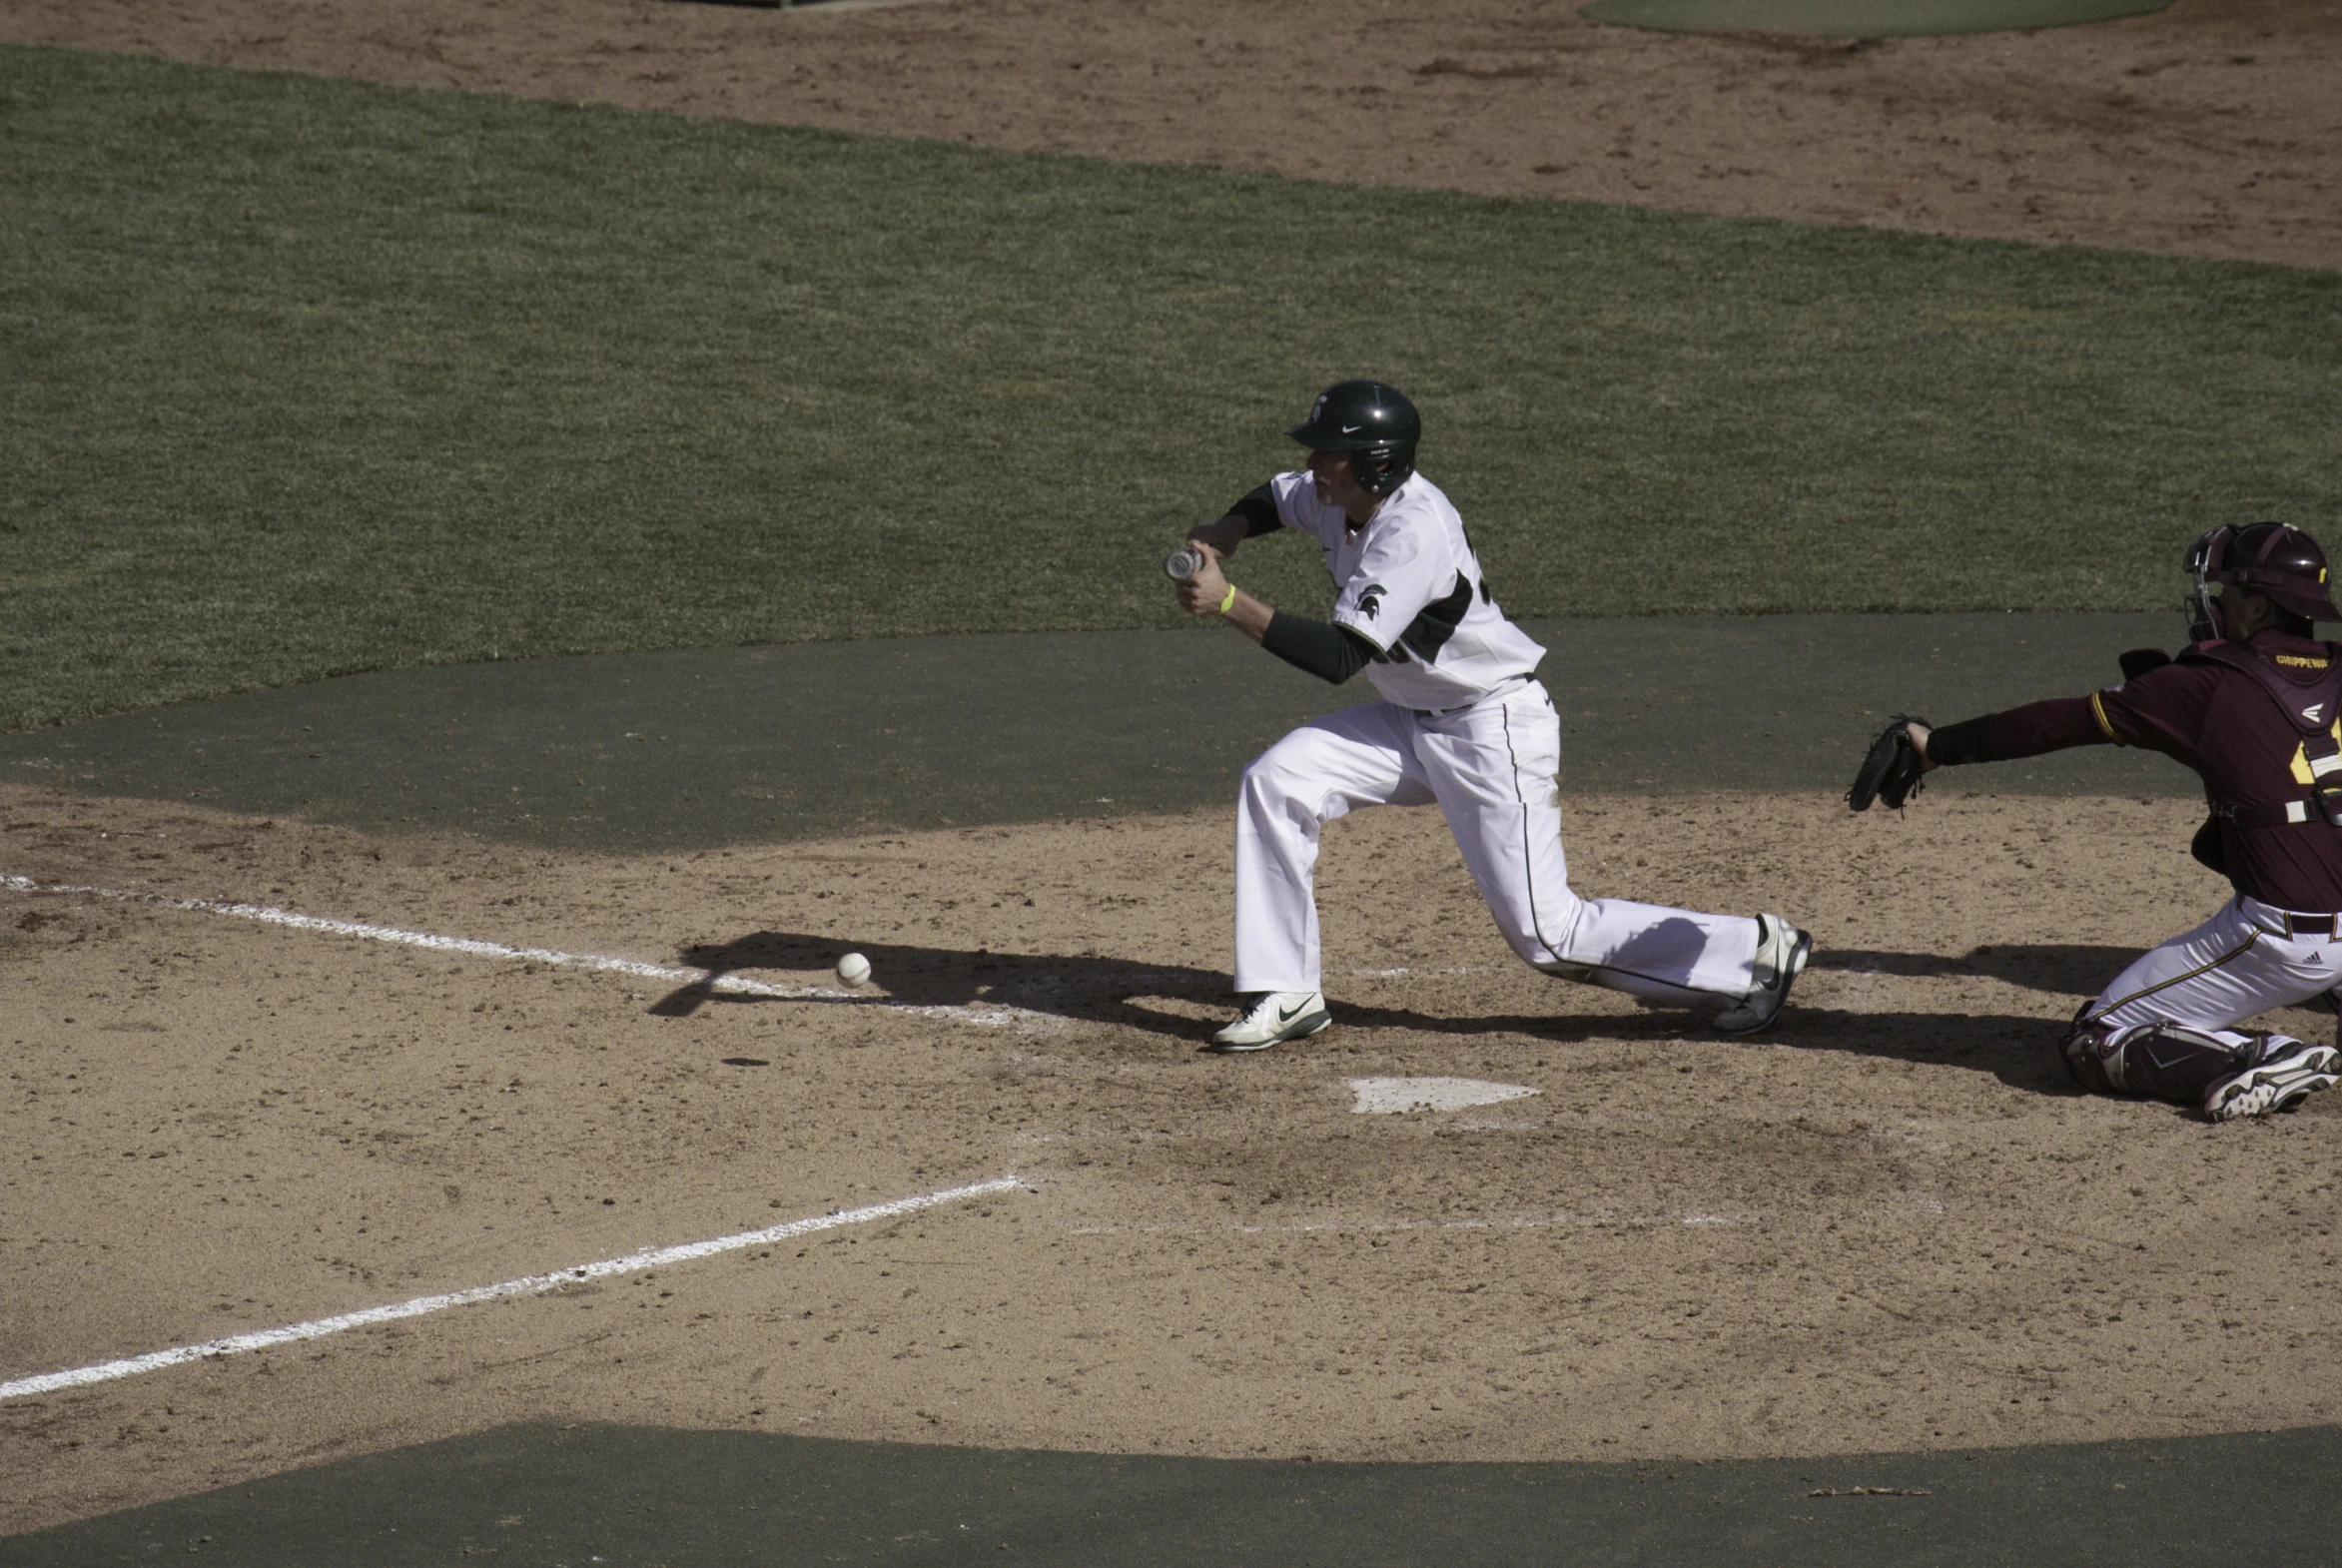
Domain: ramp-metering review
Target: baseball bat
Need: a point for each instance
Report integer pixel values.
(1183, 563)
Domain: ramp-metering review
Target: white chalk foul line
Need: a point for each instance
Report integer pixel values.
(736, 985)
(533, 1285)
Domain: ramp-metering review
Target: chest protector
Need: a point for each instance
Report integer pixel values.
(2312, 711)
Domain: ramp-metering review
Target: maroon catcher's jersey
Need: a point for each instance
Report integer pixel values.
(2221, 723)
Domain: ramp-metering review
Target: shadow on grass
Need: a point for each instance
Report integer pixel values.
(2020, 1051)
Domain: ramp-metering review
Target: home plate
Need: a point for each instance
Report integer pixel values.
(1393, 1096)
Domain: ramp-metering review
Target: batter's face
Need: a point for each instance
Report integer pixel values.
(1336, 486)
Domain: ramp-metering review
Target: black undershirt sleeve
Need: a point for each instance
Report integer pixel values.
(1329, 652)
(1259, 509)
(2030, 731)
(1951, 745)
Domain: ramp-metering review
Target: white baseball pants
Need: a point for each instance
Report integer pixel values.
(2241, 963)
(1491, 769)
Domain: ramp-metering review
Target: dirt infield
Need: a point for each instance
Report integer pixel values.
(2209, 129)
(1888, 1225)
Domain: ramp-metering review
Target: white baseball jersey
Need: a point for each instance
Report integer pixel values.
(1409, 583)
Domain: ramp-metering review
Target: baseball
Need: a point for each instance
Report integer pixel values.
(853, 969)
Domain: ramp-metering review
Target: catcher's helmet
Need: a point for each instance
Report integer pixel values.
(2272, 559)
(1374, 423)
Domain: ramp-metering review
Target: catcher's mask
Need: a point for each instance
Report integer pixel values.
(1374, 423)
(2272, 559)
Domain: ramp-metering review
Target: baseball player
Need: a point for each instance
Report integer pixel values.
(1462, 722)
(2252, 707)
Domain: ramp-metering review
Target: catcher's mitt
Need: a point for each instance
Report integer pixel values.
(1891, 771)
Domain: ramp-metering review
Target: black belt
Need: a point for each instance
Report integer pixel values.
(2305, 925)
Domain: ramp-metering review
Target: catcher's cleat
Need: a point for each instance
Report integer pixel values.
(1782, 950)
(1272, 1016)
(2276, 1085)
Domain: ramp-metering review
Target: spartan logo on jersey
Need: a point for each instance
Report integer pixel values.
(1370, 600)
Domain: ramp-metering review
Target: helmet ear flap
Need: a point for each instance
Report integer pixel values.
(1381, 469)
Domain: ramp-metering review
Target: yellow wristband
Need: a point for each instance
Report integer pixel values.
(1225, 603)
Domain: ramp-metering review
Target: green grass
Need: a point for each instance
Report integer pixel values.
(305, 376)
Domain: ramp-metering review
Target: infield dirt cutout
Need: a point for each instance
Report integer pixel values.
(2207, 129)
(1885, 1224)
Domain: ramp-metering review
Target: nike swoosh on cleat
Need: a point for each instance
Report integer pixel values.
(1283, 1016)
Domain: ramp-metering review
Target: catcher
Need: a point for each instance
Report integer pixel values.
(2254, 706)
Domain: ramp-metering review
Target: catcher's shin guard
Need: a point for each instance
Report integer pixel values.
(2160, 1061)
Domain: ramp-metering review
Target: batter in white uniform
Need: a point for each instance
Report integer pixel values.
(1463, 723)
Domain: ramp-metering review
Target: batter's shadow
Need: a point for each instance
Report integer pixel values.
(2075, 969)
(1087, 988)
(2022, 1051)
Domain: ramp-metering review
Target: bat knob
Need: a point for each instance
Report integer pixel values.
(1183, 563)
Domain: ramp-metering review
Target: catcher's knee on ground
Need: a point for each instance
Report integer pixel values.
(2162, 1060)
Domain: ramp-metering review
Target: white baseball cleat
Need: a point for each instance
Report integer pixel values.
(1272, 1016)
(1782, 950)
(2277, 1085)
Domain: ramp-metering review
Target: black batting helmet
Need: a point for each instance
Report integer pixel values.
(1374, 423)
(2272, 559)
